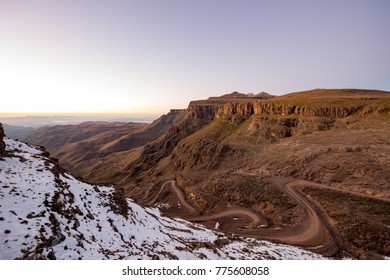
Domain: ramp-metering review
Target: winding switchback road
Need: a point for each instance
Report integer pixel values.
(314, 233)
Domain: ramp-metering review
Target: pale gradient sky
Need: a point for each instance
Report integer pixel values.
(150, 56)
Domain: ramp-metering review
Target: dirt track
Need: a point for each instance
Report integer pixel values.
(256, 220)
(314, 233)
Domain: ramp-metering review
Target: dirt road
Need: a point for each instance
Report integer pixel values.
(256, 220)
(185, 208)
(314, 233)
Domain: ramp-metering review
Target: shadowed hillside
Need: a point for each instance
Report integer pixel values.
(80, 148)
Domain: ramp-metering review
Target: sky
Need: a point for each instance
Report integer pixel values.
(146, 57)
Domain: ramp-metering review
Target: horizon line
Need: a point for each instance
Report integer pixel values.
(71, 114)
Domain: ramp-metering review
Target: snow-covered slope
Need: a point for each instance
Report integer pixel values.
(45, 213)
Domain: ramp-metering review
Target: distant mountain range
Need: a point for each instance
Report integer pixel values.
(13, 131)
(36, 121)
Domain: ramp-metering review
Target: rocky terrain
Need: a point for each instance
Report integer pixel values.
(45, 213)
(282, 158)
(2, 144)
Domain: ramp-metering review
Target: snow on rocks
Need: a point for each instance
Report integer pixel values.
(45, 213)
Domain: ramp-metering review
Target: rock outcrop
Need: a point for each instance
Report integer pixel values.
(335, 103)
(202, 112)
(281, 117)
(2, 144)
(273, 108)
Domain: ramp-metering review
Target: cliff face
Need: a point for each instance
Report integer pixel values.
(326, 107)
(275, 119)
(330, 103)
(272, 108)
(202, 112)
(2, 144)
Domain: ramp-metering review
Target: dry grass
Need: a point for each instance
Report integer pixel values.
(362, 223)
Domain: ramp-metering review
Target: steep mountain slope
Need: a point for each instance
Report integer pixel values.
(14, 131)
(80, 148)
(57, 136)
(47, 214)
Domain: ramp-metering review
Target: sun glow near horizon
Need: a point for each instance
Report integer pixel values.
(41, 85)
(135, 57)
